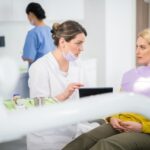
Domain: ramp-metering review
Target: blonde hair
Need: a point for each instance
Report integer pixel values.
(145, 34)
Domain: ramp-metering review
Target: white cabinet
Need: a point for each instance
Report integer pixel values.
(6, 10)
(14, 10)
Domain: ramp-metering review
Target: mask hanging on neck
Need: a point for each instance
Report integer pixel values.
(69, 56)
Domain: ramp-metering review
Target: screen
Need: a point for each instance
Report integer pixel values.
(94, 91)
(2, 41)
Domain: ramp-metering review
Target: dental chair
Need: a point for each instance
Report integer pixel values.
(22, 89)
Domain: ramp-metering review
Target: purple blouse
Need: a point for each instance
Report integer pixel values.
(137, 81)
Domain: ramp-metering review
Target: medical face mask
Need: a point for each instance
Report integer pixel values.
(69, 56)
(32, 22)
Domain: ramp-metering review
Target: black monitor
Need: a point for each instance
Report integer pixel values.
(83, 92)
(2, 41)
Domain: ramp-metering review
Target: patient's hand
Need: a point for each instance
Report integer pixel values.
(116, 124)
(131, 126)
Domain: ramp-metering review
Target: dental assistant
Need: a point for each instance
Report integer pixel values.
(58, 74)
(39, 39)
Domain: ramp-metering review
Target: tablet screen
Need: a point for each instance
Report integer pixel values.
(94, 91)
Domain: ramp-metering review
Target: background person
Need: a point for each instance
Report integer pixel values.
(125, 131)
(38, 40)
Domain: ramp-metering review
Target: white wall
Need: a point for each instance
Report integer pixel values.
(16, 9)
(94, 22)
(120, 39)
(14, 33)
(111, 38)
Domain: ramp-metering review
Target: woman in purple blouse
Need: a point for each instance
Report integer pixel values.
(124, 131)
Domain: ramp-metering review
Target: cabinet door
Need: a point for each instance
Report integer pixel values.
(6, 10)
(14, 10)
(64, 9)
(142, 15)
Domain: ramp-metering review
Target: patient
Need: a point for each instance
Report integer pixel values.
(126, 131)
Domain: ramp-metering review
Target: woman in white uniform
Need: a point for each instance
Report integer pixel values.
(58, 74)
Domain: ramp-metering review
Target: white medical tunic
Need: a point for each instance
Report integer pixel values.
(47, 80)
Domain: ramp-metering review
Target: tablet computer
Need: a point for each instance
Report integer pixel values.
(94, 91)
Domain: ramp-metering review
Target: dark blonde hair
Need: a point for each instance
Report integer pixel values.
(68, 30)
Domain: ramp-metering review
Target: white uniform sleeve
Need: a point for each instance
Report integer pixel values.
(38, 81)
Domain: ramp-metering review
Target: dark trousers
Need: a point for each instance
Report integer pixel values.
(106, 138)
